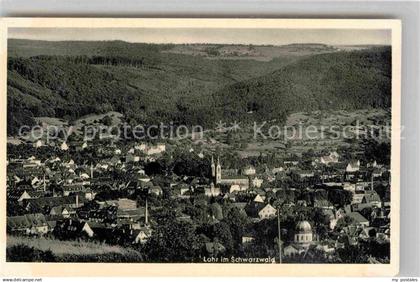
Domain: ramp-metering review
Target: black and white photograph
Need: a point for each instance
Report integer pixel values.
(207, 145)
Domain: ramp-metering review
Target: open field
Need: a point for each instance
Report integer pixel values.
(76, 250)
(258, 53)
(328, 125)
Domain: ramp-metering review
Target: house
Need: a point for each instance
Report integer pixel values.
(84, 145)
(132, 158)
(45, 204)
(258, 199)
(64, 146)
(156, 190)
(71, 228)
(72, 188)
(52, 221)
(267, 212)
(183, 189)
(305, 173)
(302, 203)
(359, 219)
(353, 166)
(360, 187)
(100, 214)
(143, 178)
(214, 248)
(377, 172)
(141, 235)
(124, 204)
(373, 199)
(38, 143)
(257, 182)
(30, 224)
(63, 211)
(291, 162)
(132, 214)
(326, 247)
(331, 158)
(277, 170)
(248, 238)
(237, 188)
(30, 194)
(35, 181)
(367, 232)
(212, 191)
(329, 213)
(250, 170)
(292, 250)
(151, 149)
(84, 176)
(31, 162)
(357, 199)
(323, 204)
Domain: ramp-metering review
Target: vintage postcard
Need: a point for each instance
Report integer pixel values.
(200, 147)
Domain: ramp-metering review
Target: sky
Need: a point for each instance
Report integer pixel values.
(208, 35)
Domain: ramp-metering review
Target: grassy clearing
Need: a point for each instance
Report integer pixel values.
(77, 250)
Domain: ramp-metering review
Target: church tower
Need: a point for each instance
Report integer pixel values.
(213, 168)
(218, 171)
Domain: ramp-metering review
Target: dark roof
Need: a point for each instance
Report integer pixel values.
(73, 187)
(16, 194)
(40, 203)
(322, 203)
(70, 226)
(26, 221)
(239, 205)
(135, 213)
(146, 230)
(372, 197)
(358, 217)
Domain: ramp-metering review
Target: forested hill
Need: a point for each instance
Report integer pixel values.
(149, 85)
(342, 80)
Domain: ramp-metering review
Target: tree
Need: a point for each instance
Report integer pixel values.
(367, 213)
(344, 221)
(237, 221)
(23, 253)
(216, 211)
(107, 120)
(221, 231)
(174, 241)
(352, 254)
(266, 231)
(340, 197)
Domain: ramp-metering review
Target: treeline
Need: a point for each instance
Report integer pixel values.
(342, 80)
(62, 89)
(136, 62)
(192, 91)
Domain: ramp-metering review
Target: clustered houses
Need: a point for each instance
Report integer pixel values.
(81, 198)
(57, 196)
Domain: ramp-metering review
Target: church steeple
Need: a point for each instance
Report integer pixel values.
(146, 215)
(218, 171)
(91, 171)
(213, 168)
